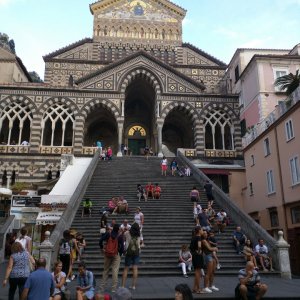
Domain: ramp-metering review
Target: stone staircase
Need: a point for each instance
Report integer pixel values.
(168, 221)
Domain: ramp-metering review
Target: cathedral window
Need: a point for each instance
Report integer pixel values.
(156, 34)
(15, 124)
(105, 31)
(219, 131)
(57, 126)
(136, 131)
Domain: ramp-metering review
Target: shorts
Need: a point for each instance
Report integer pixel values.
(194, 199)
(164, 167)
(132, 260)
(198, 261)
(208, 258)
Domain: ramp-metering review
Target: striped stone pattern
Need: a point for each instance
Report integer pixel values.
(141, 73)
(28, 168)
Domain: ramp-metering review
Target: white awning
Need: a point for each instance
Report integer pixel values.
(48, 218)
(5, 192)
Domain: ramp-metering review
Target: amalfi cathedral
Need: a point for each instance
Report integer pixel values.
(133, 83)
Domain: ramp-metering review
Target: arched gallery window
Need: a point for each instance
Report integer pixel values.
(219, 131)
(15, 124)
(57, 126)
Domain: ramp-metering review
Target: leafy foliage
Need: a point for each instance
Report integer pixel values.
(288, 83)
(7, 43)
(35, 77)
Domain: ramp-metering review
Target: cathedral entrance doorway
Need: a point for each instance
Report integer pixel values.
(139, 123)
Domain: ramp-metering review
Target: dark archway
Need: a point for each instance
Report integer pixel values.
(177, 131)
(100, 125)
(139, 111)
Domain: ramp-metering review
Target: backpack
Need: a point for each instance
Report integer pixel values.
(133, 247)
(111, 248)
(65, 247)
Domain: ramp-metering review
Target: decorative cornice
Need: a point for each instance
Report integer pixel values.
(67, 48)
(205, 54)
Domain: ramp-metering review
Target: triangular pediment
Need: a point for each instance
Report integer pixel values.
(140, 10)
(80, 50)
(111, 78)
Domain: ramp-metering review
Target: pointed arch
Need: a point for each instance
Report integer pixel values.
(16, 115)
(58, 124)
(219, 127)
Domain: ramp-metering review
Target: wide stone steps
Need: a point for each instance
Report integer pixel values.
(168, 221)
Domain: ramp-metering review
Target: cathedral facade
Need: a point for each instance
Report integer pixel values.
(133, 83)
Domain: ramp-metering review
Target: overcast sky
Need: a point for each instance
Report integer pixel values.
(218, 27)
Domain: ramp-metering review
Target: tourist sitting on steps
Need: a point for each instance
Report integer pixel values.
(249, 286)
(262, 256)
(122, 206)
(141, 193)
(157, 191)
(185, 260)
(87, 207)
(249, 253)
(239, 239)
(149, 190)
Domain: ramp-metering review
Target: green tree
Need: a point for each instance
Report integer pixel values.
(6, 42)
(288, 83)
(35, 77)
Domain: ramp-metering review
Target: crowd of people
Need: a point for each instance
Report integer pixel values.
(126, 240)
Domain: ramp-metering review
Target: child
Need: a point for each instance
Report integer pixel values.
(187, 171)
(213, 243)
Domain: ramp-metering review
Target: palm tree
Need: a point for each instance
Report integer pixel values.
(288, 83)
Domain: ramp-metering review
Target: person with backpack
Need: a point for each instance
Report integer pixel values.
(132, 256)
(113, 250)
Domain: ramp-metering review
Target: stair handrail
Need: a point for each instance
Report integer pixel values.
(73, 205)
(251, 228)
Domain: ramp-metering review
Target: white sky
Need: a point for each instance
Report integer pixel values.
(218, 27)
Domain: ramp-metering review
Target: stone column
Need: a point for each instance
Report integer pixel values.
(283, 257)
(46, 250)
(159, 138)
(120, 136)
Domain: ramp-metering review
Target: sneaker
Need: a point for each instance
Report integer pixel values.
(218, 266)
(68, 280)
(202, 272)
(185, 276)
(73, 277)
(132, 287)
(207, 290)
(213, 288)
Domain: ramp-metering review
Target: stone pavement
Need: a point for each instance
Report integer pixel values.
(162, 288)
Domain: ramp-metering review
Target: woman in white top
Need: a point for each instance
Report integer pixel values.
(24, 240)
(60, 280)
(164, 166)
(185, 260)
(139, 219)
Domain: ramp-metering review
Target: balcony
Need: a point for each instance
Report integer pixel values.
(56, 150)
(220, 153)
